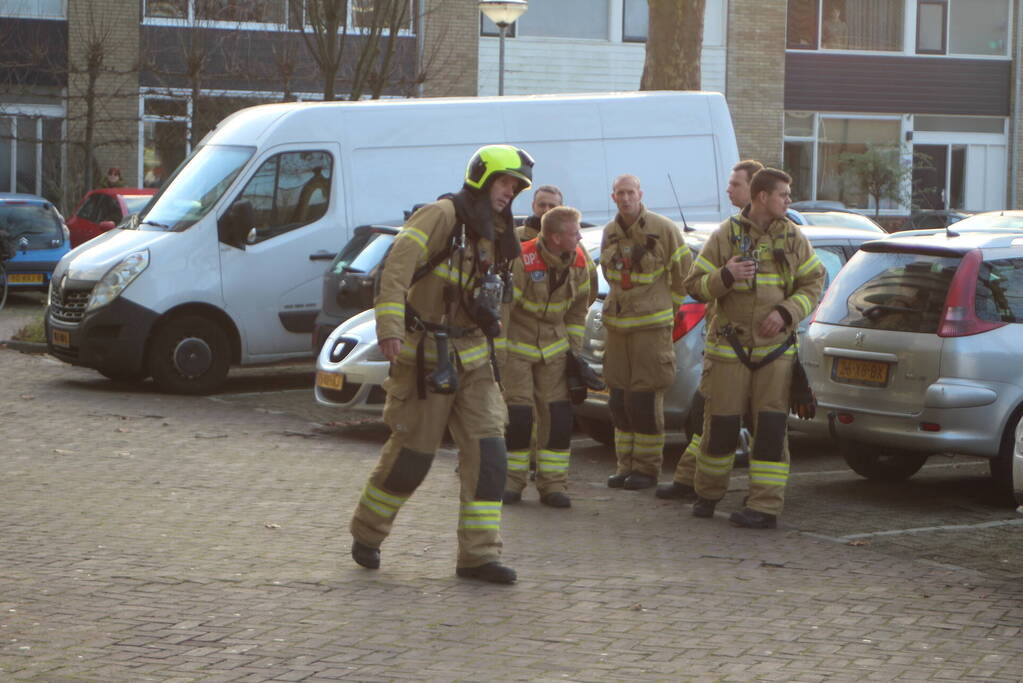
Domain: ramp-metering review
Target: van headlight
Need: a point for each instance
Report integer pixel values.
(117, 279)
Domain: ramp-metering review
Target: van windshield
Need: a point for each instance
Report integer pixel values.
(194, 188)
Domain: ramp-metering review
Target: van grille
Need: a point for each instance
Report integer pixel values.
(68, 306)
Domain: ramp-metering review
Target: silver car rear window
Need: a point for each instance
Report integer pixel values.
(999, 296)
(885, 291)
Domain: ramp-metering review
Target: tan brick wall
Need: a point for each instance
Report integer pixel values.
(755, 85)
(451, 48)
(114, 25)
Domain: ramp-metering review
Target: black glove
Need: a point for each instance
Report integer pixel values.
(802, 401)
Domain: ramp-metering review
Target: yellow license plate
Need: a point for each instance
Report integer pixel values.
(329, 380)
(854, 371)
(60, 338)
(25, 278)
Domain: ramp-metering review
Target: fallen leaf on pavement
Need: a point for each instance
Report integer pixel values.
(271, 525)
(61, 451)
(858, 542)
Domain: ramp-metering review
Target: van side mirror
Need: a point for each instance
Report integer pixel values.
(234, 226)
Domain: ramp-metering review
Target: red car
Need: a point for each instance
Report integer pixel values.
(101, 210)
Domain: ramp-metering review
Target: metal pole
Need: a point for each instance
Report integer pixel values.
(502, 27)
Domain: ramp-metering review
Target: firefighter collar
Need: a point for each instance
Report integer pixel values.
(777, 227)
(640, 221)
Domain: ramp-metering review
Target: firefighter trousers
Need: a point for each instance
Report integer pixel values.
(729, 388)
(475, 414)
(535, 387)
(638, 367)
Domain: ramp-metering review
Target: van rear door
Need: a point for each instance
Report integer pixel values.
(270, 285)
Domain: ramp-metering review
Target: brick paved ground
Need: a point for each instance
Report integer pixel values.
(151, 537)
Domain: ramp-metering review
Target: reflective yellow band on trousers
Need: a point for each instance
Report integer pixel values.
(665, 316)
(518, 461)
(480, 514)
(384, 504)
(768, 473)
(717, 465)
(549, 460)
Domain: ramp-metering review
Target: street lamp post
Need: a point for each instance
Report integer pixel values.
(503, 13)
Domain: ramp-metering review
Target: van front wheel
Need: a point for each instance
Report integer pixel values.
(881, 463)
(190, 355)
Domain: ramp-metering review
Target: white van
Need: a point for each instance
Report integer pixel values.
(224, 266)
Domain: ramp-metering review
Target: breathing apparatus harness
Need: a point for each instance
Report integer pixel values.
(480, 296)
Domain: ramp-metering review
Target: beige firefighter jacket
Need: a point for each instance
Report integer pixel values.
(789, 277)
(545, 323)
(645, 265)
(427, 232)
(530, 229)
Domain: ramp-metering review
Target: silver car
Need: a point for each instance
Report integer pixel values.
(834, 246)
(915, 350)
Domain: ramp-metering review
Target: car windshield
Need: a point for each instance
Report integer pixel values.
(363, 252)
(135, 203)
(990, 220)
(36, 222)
(885, 291)
(194, 188)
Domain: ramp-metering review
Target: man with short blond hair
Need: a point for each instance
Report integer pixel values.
(553, 291)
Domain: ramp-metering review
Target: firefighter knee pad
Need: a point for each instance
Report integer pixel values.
(619, 415)
(409, 471)
(642, 415)
(769, 440)
(696, 412)
(724, 434)
(520, 427)
(493, 468)
(560, 436)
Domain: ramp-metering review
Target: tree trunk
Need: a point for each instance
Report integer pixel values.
(673, 45)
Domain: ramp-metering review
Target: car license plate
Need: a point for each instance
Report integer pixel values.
(25, 278)
(60, 338)
(866, 372)
(330, 380)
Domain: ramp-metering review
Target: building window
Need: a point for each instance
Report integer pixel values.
(567, 19)
(931, 27)
(164, 137)
(874, 25)
(259, 11)
(979, 27)
(30, 156)
(368, 14)
(635, 20)
(34, 9)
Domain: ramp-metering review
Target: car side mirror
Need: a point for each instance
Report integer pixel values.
(235, 226)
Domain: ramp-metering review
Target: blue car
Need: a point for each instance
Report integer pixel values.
(37, 237)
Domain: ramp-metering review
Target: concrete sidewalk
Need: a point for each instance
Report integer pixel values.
(153, 537)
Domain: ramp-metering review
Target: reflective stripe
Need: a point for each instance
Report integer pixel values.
(680, 252)
(725, 351)
(483, 514)
(473, 353)
(769, 279)
(648, 443)
(768, 473)
(518, 461)
(808, 265)
(392, 308)
(665, 316)
(417, 236)
(705, 288)
(384, 504)
(576, 330)
(541, 306)
(623, 441)
(704, 264)
(715, 465)
(642, 278)
(535, 352)
(450, 274)
(678, 299)
(804, 304)
(694, 445)
(552, 461)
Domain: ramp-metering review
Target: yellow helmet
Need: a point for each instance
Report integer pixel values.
(491, 160)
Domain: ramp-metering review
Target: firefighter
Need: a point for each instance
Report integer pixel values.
(763, 277)
(645, 262)
(545, 198)
(681, 486)
(438, 313)
(552, 295)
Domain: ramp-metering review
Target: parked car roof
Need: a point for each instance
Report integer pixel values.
(849, 219)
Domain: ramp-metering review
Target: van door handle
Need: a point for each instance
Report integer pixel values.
(323, 256)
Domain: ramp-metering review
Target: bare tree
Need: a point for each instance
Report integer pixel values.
(673, 45)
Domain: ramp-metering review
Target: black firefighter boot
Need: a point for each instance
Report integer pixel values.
(365, 556)
(753, 519)
(493, 572)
